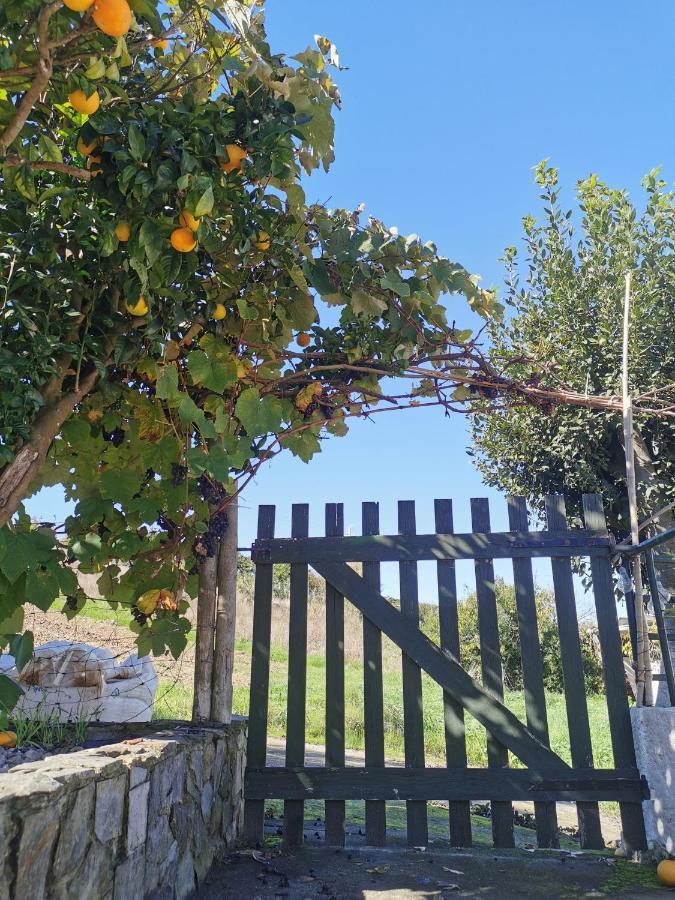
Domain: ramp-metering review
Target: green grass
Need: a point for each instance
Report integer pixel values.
(175, 701)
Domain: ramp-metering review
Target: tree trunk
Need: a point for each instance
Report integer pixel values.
(17, 476)
(206, 617)
(226, 615)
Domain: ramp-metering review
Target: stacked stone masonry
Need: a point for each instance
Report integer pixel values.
(144, 817)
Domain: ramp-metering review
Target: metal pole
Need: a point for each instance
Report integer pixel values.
(660, 626)
(643, 675)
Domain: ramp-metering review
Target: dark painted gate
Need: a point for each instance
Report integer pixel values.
(545, 778)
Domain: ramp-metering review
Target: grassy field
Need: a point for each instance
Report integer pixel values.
(175, 700)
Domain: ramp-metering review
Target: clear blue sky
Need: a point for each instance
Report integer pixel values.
(447, 106)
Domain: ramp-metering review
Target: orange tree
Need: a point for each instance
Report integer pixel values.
(165, 301)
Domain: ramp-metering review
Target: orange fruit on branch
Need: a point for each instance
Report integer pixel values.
(123, 230)
(262, 241)
(86, 106)
(140, 308)
(219, 312)
(112, 17)
(235, 157)
(84, 148)
(183, 240)
(160, 44)
(188, 220)
(303, 339)
(78, 5)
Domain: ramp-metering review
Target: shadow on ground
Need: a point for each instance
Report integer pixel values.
(358, 872)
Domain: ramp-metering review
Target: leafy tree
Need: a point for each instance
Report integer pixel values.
(165, 327)
(564, 332)
(509, 640)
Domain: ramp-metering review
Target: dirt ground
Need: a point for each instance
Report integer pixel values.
(405, 874)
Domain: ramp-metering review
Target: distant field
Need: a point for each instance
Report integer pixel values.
(176, 701)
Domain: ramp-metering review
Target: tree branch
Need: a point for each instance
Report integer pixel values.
(40, 81)
(14, 162)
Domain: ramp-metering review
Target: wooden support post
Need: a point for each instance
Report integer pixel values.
(335, 685)
(226, 619)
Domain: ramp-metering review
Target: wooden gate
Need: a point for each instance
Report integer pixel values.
(546, 778)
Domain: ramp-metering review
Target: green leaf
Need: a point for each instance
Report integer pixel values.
(205, 203)
(136, 142)
(10, 693)
(367, 305)
(21, 648)
(49, 149)
(258, 415)
(95, 71)
(167, 383)
(214, 374)
(392, 282)
(42, 588)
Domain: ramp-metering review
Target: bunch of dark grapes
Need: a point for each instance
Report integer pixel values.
(208, 491)
(115, 437)
(178, 474)
(149, 476)
(138, 616)
(207, 543)
(71, 603)
(310, 409)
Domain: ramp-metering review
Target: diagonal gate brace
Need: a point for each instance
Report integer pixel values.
(443, 668)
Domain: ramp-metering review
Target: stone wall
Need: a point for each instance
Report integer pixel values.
(654, 736)
(143, 817)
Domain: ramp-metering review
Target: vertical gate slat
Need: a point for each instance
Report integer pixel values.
(491, 665)
(294, 810)
(588, 813)
(612, 660)
(546, 820)
(256, 754)
(455, 737)
(335, 684)
(373, 703)
(413, 717)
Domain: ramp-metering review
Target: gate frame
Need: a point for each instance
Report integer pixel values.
(546, 780)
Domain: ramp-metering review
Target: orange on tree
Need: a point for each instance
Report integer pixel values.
(262, 241)
(303, 339)
(112, 17)
(219, 312)
(235, 157)
(8, 739)
(78, 5)
(161, 44)
(123, 230)
(87, 106)
(140, 308)
(84, 148)
(188, 220)
(183, 240)
(665, 872)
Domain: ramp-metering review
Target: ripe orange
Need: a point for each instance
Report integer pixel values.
(665, 872)
(140, 308)
(87, 106)
(303, 339)
(112, 17)
(262, 241)
(84, 148)
(183, 240)
(8, 739)
(161, 44)
(94, 165)
(235, 156)
(219, 312)
(123, 230)
(78, 5)
(188, 220)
